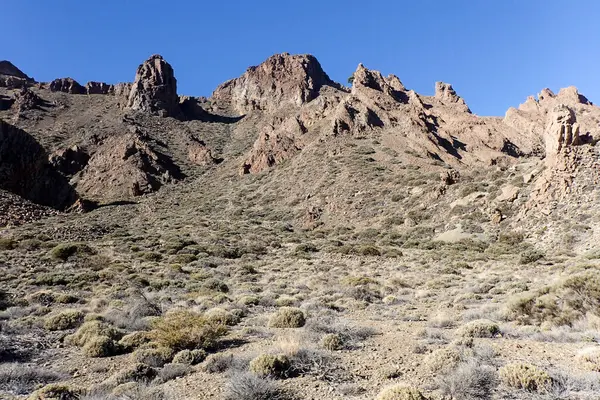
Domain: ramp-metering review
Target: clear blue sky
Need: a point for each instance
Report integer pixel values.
(494, 52)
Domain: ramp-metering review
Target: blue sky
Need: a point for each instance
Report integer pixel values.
(494, 52)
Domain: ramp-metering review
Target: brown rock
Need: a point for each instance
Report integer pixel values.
(25, 99)
(98, 88)
(67, 85)
(155, 88)
(69, 161)
(123, 167)
(561, 131)
(447, 95)
(199, 154)
(282, 80)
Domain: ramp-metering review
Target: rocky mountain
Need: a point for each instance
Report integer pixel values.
(286, 117)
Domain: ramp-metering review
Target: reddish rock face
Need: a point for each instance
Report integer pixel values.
(280, 81)
(155, 89)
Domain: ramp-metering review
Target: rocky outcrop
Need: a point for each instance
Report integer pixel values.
(200, 154)
(124, 167)
(26, 99)
(282, 80)
(561, 131)
(446, 94)
(98, 88)
(69, 161)
(25, 171)
(12, 77)
(66, 85)
(155, 89)
(276, 143)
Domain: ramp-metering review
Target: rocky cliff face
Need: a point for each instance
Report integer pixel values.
(155, 88)
(280, 81)
(25, 171)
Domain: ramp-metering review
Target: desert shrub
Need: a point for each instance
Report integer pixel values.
(589, 358)
(222, 316)
(7, 244)
(400, 392)
(526, 377)
(97, 339)
(444, 360)
(21, 379)
(172, 371)
(470, 381)
(151, 256)
(189, 357)
(369, 250)
(530, 256)
(247, 386)
(249, 300)
(134, 340)
(560, 304)
(64, 251)
(269, 365)
(56, 391)
(511, 238)
(182, 330)
(134, 373)
(216, 285)
(154, 357)
(287, 317)
(184, 258)
(332, 341)
(480, 328)
(64, 320)
(217, 363)
(305, 248)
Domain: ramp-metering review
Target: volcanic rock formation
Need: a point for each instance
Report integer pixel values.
(155, 88)
(281, 80)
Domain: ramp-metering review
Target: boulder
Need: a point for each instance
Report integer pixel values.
(154, 90)
(67, 85)
(561, 130)
(200, 154)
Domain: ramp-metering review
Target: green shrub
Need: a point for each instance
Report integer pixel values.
(134, 340)
(287, 317)
(64, 320)
(480, 328)
(7, 244)
(269, 365)
(97, 339)
(530, 256)
(526, 377)
(182, 330)
(154, 357)
(332, 341)
(400, 392)
(56, 391)
(64, 251)
(190, 357)
(222, 316)
(560, 304)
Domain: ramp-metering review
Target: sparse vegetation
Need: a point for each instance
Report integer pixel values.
(526, 377)
(287, 317)
(181, 330)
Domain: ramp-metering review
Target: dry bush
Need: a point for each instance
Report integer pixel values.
(270, 365)
(560, 304)
(469, 381)
(133, 340)
(56, 391)
(332, 341)
(21, 379)
(246, 386)
(180, 330)
(401, 392)
(64, 251)
(172, 371)
(156, 357)
(480, 328)
(97, 338)
(189, 357)
(589, 358)
(221, 316)
(525, 376)
(287, 317)
(64, 320)
(444, 360)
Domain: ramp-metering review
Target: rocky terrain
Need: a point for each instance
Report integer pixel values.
(294, 238)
